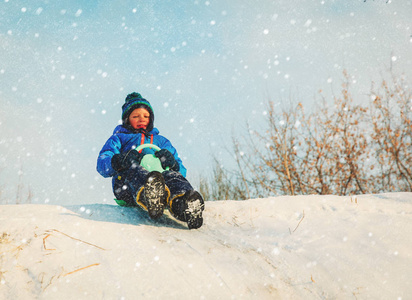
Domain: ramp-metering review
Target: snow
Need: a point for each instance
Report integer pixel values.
(302, 247)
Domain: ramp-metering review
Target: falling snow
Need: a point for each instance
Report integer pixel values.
(206, 67)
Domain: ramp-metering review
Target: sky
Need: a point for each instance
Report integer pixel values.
(207, 67)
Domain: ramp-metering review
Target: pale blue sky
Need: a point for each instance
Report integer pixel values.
(207, 67)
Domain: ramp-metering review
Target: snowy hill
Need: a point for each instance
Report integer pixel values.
(305, 247)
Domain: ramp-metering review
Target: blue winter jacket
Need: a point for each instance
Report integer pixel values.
(123, 140)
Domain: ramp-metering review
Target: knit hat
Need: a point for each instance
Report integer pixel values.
(133, 101)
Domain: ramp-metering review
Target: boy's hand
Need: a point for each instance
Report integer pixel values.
(126, 160)
(167, 159)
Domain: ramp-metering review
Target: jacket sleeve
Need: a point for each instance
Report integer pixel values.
(104, 161)
(166, 144)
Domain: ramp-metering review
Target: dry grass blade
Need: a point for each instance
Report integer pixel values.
(92, 265)
(303, 216)
(44, 242)
(84, 242)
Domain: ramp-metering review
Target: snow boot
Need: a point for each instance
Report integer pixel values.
(152, 197)
(188, 208)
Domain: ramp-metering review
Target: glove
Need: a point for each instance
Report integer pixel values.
(126, 160)
(167, 159)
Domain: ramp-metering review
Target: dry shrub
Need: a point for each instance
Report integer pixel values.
(343, 150)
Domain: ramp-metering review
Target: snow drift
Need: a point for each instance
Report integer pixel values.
(303, 247)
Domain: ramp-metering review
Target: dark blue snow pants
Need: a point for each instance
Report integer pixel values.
(128, 183)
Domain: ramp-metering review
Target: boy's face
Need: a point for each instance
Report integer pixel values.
(139, 118)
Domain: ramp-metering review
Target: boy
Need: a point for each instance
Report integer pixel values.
(134, 185)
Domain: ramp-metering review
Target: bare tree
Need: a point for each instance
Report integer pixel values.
(391, 112)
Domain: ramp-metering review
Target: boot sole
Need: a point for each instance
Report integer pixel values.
(155, 194)
(193, 212)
